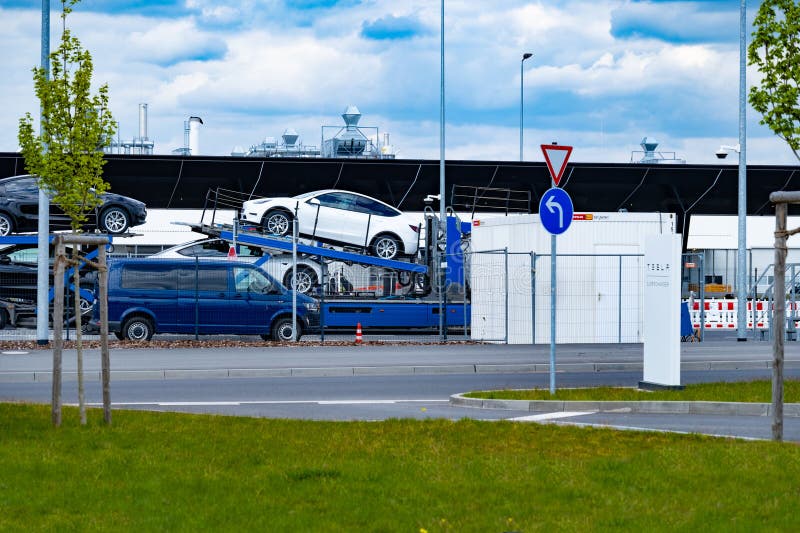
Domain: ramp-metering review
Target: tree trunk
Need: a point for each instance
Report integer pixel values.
(105, 363)
(58, 329)
(78, 333)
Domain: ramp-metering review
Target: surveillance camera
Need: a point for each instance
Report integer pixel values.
(721, 154)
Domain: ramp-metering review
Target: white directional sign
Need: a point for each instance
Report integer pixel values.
(555, 210)
(556, 157)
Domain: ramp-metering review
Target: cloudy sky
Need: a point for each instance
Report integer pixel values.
(604, 73)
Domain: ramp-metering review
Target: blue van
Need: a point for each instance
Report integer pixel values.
(147, 296)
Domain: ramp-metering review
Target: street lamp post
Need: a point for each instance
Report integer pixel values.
(442, 226)
(525, 56)
(43, 238)
(741, 259)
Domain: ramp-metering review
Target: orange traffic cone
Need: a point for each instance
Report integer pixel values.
(358, 333)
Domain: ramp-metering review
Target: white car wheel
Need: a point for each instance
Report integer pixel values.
(277, 223)
(305, 281)
(114, 220)
(386, 247)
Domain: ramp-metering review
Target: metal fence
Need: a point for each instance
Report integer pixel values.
(489, 295)
(598, 297)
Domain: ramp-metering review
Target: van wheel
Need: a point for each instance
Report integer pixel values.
(138, 328)
(282, 330)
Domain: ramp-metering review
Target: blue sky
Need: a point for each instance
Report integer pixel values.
(604, 73)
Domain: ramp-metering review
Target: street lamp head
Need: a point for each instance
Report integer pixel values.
(723, 150)
(526, 55)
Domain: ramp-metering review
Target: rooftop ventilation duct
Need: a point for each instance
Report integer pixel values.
(143, 122)
(290, 137)
(649, 145)
(194, 135)
(140, 145)
(350, 141)
(652, 157)
(351, 117)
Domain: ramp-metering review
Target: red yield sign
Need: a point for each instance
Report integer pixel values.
(556, 157)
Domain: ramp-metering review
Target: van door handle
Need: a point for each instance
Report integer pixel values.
(221, 295)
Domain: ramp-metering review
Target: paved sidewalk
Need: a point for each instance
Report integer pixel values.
(395, 359)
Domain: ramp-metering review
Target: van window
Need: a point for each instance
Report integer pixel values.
(152, 277)
(212, 279)
(251, 280)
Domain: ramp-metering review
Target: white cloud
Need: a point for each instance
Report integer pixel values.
(252, 69)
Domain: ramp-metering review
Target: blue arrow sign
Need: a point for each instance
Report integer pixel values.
(555, 210)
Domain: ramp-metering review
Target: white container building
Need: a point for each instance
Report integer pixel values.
(599, 273)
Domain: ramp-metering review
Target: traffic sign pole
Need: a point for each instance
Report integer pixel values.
(553, 314)
(555, 213)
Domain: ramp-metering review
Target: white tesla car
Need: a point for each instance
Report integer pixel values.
(338, 217)
(278, 266)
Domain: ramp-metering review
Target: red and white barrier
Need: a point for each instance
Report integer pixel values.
(721, 314)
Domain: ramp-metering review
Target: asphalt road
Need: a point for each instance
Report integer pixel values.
(396, 381)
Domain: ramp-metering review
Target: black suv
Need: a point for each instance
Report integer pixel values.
(19, 210)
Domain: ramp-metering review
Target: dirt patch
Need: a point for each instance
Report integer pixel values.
(209, 343)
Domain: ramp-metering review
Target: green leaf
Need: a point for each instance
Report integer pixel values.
(67, 153)
(775, 51)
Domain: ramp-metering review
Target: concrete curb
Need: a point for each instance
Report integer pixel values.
(645, 407)
(27, 376)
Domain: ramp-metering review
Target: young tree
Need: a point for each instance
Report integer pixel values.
(75, 126)
(775, 50)
(68, 159)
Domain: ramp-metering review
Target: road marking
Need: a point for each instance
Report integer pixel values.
(265, 402)
(619, 427)
(12, 352)
(198, 404)
(359, 402)
(550, 416)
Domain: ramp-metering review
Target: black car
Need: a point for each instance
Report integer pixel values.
(19, 210)
(18, 291)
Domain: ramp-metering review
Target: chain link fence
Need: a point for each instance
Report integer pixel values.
(487, 296)
(598, 298)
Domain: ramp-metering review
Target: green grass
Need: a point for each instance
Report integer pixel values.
(177, 472)
(748, 391)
